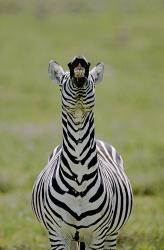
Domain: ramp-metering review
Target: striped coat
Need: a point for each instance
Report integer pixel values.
(83, 196)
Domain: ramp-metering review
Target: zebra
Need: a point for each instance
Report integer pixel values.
(83, 196)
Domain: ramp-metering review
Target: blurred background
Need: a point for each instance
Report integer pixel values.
(128, 36)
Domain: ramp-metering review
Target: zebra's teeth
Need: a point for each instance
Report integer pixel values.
(80, 72)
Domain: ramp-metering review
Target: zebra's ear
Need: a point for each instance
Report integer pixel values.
(97, 73)
(55, 71)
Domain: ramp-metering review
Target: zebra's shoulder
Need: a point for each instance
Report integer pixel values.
(108, 152)
(55, 152)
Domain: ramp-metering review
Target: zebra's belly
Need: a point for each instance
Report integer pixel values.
(78, 211)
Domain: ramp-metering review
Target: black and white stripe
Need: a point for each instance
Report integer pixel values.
(83, 194)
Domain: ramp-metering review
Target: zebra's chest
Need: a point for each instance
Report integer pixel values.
(76, 207)
(75, 218)
(79, 212)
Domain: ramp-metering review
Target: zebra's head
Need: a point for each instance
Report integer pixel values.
(77, 86)
(79, 71)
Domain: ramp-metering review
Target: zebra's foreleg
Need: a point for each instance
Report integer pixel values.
(111, 242)
(57, 242)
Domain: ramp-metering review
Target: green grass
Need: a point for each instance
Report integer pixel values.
(128, 37)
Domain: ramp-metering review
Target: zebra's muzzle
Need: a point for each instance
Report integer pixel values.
(79, 72)
(79, 76)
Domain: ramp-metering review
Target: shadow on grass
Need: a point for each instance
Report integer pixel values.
(5, 185)
(19, 247)
(150, 184)
(144, 191)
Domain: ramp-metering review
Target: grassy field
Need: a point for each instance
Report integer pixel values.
(127, 35)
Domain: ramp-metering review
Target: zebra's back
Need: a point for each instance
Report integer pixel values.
(41, 184)
(112, 164)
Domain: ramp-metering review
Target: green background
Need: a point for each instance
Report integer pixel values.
(128, 36)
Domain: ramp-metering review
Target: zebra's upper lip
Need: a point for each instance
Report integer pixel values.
(79, 72)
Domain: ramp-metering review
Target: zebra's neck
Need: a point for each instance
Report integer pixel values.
(79, 144)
